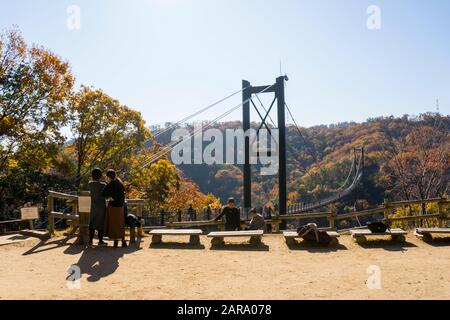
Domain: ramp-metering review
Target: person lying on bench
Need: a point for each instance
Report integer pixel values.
(311, 232)
(257, 222)
(232, 216)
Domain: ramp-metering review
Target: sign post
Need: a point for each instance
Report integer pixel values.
(84, 209)
(29, 213)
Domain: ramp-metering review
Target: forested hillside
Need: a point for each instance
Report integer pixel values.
(405, 158)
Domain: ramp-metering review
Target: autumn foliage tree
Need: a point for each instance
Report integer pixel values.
(38, 104)
(417, 165)
(35, 86)
(104, 131)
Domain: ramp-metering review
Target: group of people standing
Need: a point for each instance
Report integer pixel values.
(107, 208)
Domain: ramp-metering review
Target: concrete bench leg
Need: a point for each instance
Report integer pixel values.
(156, 239)
(194, 240)
(424, 236)
(290, 241)
(217, 241)
(334, 241)
(359, 239)
(255, 240)
(139, 235)
(398, 238)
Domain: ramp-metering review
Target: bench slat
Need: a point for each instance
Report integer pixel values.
(367, 232)
(222, 234)
(176, 232)
(433, 230)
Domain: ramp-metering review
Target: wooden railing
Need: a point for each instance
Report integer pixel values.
(441, 215)
(201, 223)
(384, 209)
(80, 220)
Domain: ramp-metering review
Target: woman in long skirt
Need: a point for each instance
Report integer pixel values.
(98, 207)
(115, 219)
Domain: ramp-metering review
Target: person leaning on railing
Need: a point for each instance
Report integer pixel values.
(232, 216)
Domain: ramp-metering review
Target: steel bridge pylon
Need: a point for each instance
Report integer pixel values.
(247, 92)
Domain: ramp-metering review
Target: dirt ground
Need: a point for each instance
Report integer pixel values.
(31, 269)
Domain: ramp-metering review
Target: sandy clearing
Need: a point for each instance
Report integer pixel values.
(414, 270)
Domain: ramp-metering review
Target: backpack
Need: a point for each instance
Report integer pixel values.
(377, 227)
(132, 221)
(324, 238)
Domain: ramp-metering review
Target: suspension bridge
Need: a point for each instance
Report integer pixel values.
(250, 94)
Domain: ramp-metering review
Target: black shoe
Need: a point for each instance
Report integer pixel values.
(124, 244)
(102, 243)
(116, 243)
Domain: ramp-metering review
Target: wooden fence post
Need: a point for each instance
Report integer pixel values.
(386, 210)
(222, 224)
(140, 210)
(277, 222)
(51, 218)
(331, 219)
(443, 214)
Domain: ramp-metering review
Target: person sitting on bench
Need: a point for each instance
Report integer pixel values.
(232, 216)
(257, 222)
(311, 232)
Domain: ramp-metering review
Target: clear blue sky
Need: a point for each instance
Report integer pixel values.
(168, 58)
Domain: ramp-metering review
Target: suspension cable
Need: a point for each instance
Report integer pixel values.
(314, 156)
(121, 152)
(351, 171)
(170, 147)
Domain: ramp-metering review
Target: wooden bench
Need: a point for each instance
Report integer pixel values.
(194, 234)
(290, 237)
(360, 235)
(217, 237)
(427, 233)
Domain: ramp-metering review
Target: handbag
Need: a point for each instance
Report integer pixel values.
(378, 227)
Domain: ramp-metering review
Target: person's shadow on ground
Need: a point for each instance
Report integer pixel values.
(99, 262)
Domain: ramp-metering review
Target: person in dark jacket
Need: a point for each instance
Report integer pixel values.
(232, 216)
(257, 222)
(115, 218)
(191, 213)
(98, 207)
